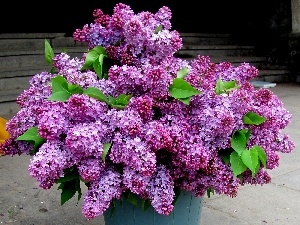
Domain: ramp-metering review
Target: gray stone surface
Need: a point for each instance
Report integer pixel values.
(277, 203)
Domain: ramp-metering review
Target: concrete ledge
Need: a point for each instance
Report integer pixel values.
(9, 95)
(30, 35)
(183, 35)
(11, 72)
(15, 83)
(26, 51)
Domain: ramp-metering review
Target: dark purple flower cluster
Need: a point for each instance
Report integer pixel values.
(157, 141)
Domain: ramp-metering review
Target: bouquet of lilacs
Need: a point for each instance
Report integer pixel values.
(131, 120)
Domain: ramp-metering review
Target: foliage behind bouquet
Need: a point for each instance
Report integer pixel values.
(131, 120)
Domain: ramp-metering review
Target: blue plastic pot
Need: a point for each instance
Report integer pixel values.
(187, 211)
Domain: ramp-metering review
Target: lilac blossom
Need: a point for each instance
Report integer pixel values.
(143, 106)
(82, 108)
(53, 122)
(156, 142)
(90, 168)
(262, 177)
(101, 192)
(157, 136)
(48, 164)
(128, 122)
(133, 152)
(161, 190)
(86, 140)
(136, 182)
(21, 122)
(33, 96)
(41, 80)
(218, 177)
(13, 147)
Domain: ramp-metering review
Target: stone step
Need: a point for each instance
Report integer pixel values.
(22, 57)
(10, 95)
(8, 109)
(252, 60)
(14, 83)
(256, 61)
(67, 42)
(31, 46)
(206, 39)
(273, 75)
(8, 45)
(26, 41)
(215, 50)
(11, 72)
(30, 35)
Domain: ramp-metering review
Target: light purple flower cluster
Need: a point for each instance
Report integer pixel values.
(156, 142)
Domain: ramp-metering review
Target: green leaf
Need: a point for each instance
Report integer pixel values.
(182, 72)
(229, 85)
(219, 86)
(177, 192)
(257, 168)
(185, 100)
(122, 99)
(210, 191)
(112, 208)
(94, 60)
(145, 204)
(100, 50)
(181, 89)
(53, 70)
(32, 135)
(98, 68)
(106, 148)
(60, 186)
(112, 100)
(95, 93)
(247, 133)
(91, 57)
(238, 142)
(62, 90)
(120, 102)
(261, 154)
(133, 199)
(49, 53)
(253, 118)
(223, 87)
(67, 177)
(59, 83)
(225, 158)
(237, 164)
(68, 191)
(159, 28)
(105, 69)
(78, 189)
(74, 89)
(250, 159)
(118, 106)
(69, 185)
(61, 96)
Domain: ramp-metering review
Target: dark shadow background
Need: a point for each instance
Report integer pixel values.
(218, 16)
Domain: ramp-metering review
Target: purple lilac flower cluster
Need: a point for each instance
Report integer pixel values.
(157, 142)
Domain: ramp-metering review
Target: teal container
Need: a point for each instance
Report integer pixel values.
(187, 211)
